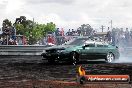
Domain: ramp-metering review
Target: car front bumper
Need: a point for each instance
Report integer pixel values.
(57, 55)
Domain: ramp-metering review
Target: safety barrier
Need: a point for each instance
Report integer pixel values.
(22, 49)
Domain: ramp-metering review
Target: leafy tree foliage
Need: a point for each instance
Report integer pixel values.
(33, 31)
(86, 29)
(6, 26)
(6, 23)
(7, 29)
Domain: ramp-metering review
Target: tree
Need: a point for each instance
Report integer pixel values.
(36, 33)
(86, 29)
(6, 23)
(32, 30)
(7, 29)
(24, 27)
(21, 20)
(50, 27)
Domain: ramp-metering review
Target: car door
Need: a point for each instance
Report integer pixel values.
(87, 52)
(100, 50)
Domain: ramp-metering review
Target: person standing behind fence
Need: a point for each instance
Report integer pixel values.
(50, 40)
(113, 36)
(73, 32)
(62, 36)
(127, 36)
(62, 32)
(57, 34)
(79, 32)
(130, 37)
(68, 33)
(109, 36)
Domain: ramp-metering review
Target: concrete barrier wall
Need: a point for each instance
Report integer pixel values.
(22, 50)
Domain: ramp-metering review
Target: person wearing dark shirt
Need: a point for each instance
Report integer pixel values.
(57, 32)
(109, 36)
(73, 32)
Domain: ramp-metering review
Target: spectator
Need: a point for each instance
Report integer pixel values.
(62, 32)
(50, 39)
(113, 37)
(1, 40)
(126, 36)
(73, 32)
(57, 32)
(69, 33)
(79, 32)
(109, 36)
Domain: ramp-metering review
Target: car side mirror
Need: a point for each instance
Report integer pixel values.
(83, 47)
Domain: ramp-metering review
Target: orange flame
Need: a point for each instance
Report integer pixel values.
(81, 71)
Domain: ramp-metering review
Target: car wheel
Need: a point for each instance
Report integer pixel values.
(110, 57)
(74, 57)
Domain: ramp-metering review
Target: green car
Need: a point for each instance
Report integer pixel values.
(80, 49)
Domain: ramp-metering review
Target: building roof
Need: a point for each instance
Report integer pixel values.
(101, 33)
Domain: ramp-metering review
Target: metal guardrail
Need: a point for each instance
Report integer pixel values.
(22, 49)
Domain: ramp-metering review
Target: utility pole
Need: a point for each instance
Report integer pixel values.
(102, 27)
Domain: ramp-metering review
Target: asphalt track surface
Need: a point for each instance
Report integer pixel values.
(34, 68)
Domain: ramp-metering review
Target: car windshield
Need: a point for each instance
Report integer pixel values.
(77, 41)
